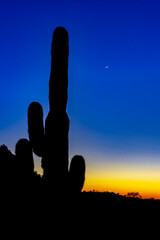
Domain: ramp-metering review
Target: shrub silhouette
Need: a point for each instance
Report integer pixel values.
(133, 195)
(8, 167)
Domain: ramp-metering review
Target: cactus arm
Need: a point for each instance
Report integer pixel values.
(35, 128)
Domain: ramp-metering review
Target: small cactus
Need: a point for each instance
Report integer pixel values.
(77, 174)
(24, 157)
(51, 142)
(27, 182)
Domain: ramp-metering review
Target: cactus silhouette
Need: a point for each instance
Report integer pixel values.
(24, 157)
(77, 174)
(27, 182)
(51, 142)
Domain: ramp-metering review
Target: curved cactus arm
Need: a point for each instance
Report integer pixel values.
(24, 157)
(77, 174)
(36, 128)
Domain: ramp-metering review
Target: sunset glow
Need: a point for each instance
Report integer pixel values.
(113, 85)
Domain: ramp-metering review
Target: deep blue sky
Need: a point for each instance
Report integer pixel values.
(114, 112)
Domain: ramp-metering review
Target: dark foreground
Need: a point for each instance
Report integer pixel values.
(84, 199)
(102, 199)
(87, 212)
(111, 196)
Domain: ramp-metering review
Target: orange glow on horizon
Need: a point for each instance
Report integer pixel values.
(122, 179)
(144, 180)
(145, 189)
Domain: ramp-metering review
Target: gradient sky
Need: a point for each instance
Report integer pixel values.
(114, 112)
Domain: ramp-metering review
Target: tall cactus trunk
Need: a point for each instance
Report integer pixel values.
(57, 121)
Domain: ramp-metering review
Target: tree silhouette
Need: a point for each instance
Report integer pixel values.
(133, 195)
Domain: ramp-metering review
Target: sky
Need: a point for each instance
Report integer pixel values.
(114, 84)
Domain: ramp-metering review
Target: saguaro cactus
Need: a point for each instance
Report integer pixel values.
(51, 142)
(23, 151)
